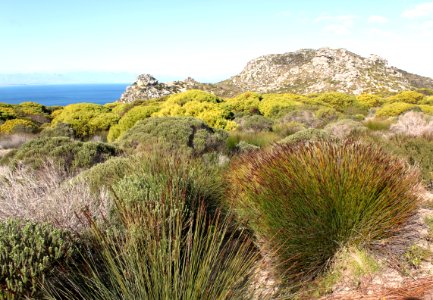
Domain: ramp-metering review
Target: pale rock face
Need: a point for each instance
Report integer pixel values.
(147, 87)
(304, 71)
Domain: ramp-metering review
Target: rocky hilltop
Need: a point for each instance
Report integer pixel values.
(147, 87)
(304, 71)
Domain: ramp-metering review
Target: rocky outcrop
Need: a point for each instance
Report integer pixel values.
(325, 69)
(304, 71)
(147, 87)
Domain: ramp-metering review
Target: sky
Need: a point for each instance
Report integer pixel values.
(209, 40)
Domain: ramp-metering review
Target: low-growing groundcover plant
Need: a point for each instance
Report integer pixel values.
(28, 253)
(307, 200)
(162, 249)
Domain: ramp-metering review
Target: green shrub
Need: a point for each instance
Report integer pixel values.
(61, 129)
(305, 135)
(174, 132)
(28, 253)
(202, 177)
(394, 109)
(247, 102)
(338, 101)
(326, 115)
(254, 123)
(428, 101)
(377, 124)
(7, 112)
(129, 119)
(284, 129)
(278, 105)
(306, 201)
(163, 250)
(417, 151)
(428, 109)
(192, 95)
(411, 97)
(18, 126)
(369, 100)
(67, 154)
(259, 139)
(85, 118)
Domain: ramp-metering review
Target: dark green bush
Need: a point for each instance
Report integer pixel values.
(173, 132)
(66, 153)
(305, 135)
(306, 201)
(28, 253)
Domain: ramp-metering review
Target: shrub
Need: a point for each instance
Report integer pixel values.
(202, 177)
(345, 128)
(192, 95)
(259, 139)
(394, 109)
(254, 123)
(428, 109)
(60, 129)
(278, 105)
(369, 100)
(427, 101)
(417, 151)
(306, 201)
(174, 132)
(414, 124)
(18, 126)
(28, 253)
(377, 124)
(163, 250)
(305, 135)
(284, 129)
(85, 118)
(67, 154)
(306, 117)
(247, 102)
(326, 115)
(7, 112)
(411, 97)
(336, 100)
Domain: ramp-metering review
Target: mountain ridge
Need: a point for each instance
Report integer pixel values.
(304, 71)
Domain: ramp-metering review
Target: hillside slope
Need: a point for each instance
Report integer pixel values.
(304, 71)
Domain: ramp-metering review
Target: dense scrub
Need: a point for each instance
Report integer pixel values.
(63, 152)
(313, 179)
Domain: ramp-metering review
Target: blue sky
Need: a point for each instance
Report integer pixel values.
(207, 40)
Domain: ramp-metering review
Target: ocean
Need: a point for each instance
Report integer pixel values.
(62, 94)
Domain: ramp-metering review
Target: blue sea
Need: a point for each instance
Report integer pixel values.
(62, 94)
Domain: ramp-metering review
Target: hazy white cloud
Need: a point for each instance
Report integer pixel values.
(420, 10)
(377, 20)
(340, 25)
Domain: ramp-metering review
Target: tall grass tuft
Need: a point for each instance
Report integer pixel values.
(160, 248)
(306, 201)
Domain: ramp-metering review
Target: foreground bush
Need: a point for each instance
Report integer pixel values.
(175, 132)
(63, 152)
(163, 249)
(28, 252)
(306, 201)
